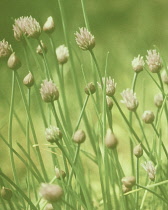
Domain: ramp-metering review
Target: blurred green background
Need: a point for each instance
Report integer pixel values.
(125, 28)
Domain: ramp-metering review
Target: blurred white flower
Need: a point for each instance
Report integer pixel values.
(62, 54)
(138, 63)
(5, 49)
(153, 61)
(150, 169)
(129, 99)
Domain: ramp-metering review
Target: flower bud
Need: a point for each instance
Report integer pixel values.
(110, 139)
(129, 181)
(129, 99)
(49, 91)
(53, 134)
(5, 49)
(164, 77)
(49, 25)
(154, 61)
(148, 117)
(59, 173)
(79, 136)
(158, 100)
(125, 189)
(138, 151)
(138, 64)
(6, 193)
(51, 192)
(41, 49)
(150, 169)
(14, 62)
(62, 54)
(28, 80)
(90, 88)
(109, 102)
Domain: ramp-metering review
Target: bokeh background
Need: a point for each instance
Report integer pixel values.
(125, 28)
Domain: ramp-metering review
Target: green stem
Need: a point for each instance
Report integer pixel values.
(32, 128)
(137, 180)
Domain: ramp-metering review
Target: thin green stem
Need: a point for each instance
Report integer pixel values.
(137, 180)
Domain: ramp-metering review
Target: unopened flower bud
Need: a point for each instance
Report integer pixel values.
(49, 25)
(110, 139)
(59, 173)
(138, 64)
(129, 181)
(6, 193)
(164, 77)
(109, 102)
(125, 189)
(53, 134)
(148, 117)
(62, 54)
(158, 100)
(14, 62)
(79, 136)
(90, 88)
(138, 151)
(49, 91)
(51, 192)
(41, 49)
(154, 61)
(49, 206)
(28, 80)
(84, 39)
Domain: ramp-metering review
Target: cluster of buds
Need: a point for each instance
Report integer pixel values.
(138, 64)
(148, 117)
(41, 48)
(62, 54)
(110, 139)
(84, 39)
(128, 183)
(129, 99)
(26, 26)
(150, 169)
(51, 192)
(79, 136)
(5, 49)
(53, 134)
(49, 91)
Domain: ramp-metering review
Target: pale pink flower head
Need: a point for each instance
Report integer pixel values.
(26, 26)
(129, 99)
(110, 85)
(51, 192)
(5, 49)
(150, 169)
(49, 91)
(53, 134)
(84, 39)
(138, 64)
(154, 61)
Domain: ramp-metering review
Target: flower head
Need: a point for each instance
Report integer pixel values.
(164, 77)
(153, 61)
(51, 192)
(138, 151)
(79, 136)
(28, 80)
(129, 99)
(128, 181)
(150, 169)
(5, 49)
(84, 39)
(53, 134)
(49, 91)
(26, 26)
(110, 85)
(90, 88)
(138, 64)
(62, 54)
(49, 25)
(14, 62)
